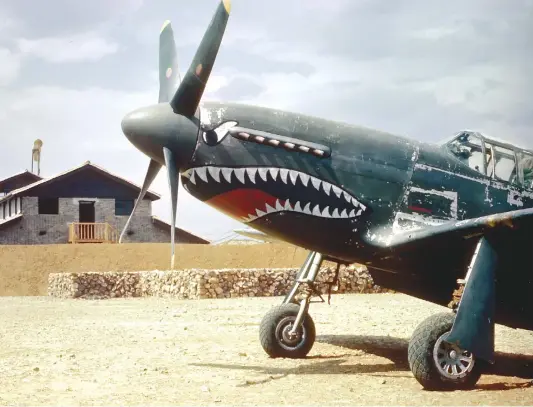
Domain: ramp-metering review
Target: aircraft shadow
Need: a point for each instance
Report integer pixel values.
(391, 348)
(395, 349)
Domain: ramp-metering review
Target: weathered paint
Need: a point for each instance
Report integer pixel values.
(406, 209)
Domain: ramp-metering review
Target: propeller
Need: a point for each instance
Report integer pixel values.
(184, 101)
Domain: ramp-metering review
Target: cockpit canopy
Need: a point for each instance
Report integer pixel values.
(495, 159)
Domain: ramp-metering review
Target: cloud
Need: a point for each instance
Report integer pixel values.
(9, 66)
(411, 68)
(64, 17)
(75, 48)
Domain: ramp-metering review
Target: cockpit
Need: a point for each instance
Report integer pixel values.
(495, 159)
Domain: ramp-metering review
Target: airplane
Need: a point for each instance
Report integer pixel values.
(441, 222)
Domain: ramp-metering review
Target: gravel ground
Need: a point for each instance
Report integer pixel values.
(154, 351)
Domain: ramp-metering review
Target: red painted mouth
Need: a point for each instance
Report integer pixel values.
(247, 194)
(240, 203)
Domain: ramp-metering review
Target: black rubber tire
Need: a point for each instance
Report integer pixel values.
(269, 333)
(420, 356)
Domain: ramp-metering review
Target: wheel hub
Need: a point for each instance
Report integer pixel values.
(451, 361)
(283, 332)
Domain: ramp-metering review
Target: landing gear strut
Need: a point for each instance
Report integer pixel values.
(288, 330)
(450, 350)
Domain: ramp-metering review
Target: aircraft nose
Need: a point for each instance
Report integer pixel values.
(132, 126)
(152, 128)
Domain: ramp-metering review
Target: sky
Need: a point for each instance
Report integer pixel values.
(69, 72)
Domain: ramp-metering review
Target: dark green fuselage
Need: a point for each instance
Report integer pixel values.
(398, 184)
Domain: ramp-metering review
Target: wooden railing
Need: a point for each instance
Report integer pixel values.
(92, 233)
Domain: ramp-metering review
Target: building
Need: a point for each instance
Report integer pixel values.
(86, 204)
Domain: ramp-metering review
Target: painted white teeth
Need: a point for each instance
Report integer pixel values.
(269, 209)
(304, 178)
(215, 173)
(263, 173)
(327, 187)
(249, 218)
(325, 213)
(239, 173)
(316, 183)
(283, 175)
(192, 177)
(202, 173)
(226, 173)
(251, 173)
(294, 176)
(346, 197)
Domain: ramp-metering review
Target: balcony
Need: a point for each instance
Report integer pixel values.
(92, 233)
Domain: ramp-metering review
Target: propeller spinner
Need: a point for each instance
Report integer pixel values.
(167, 132)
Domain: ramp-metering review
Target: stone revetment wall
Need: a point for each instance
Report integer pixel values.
(202, 283)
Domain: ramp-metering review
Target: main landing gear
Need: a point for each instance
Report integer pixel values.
(287, 330)
(449, 351)
(437, 364)
(446, 351)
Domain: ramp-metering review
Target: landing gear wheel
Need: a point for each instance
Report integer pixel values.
(436, 364)
(275, 337)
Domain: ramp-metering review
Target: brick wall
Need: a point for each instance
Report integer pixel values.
(51, 229)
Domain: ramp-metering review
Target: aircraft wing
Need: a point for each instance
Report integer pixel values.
(517, 224)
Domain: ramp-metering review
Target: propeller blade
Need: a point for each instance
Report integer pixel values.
(173, 183)
(188, 96)
(168, 63)
(153, 170)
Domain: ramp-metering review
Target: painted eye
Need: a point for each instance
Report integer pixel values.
(216, 135)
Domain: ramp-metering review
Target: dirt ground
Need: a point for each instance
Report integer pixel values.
(24, 270)
(154, 351)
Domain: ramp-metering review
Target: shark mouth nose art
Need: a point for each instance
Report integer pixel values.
(253, 192)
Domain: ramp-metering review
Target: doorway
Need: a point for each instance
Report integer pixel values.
(86, 219)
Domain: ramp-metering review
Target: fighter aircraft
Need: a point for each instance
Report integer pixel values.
(425, 219)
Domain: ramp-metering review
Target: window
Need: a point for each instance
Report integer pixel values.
(468, 148)
(123, 207)
(525, 162)
(485, 157)
(501, 163)
(3, 210)
(48, 206)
